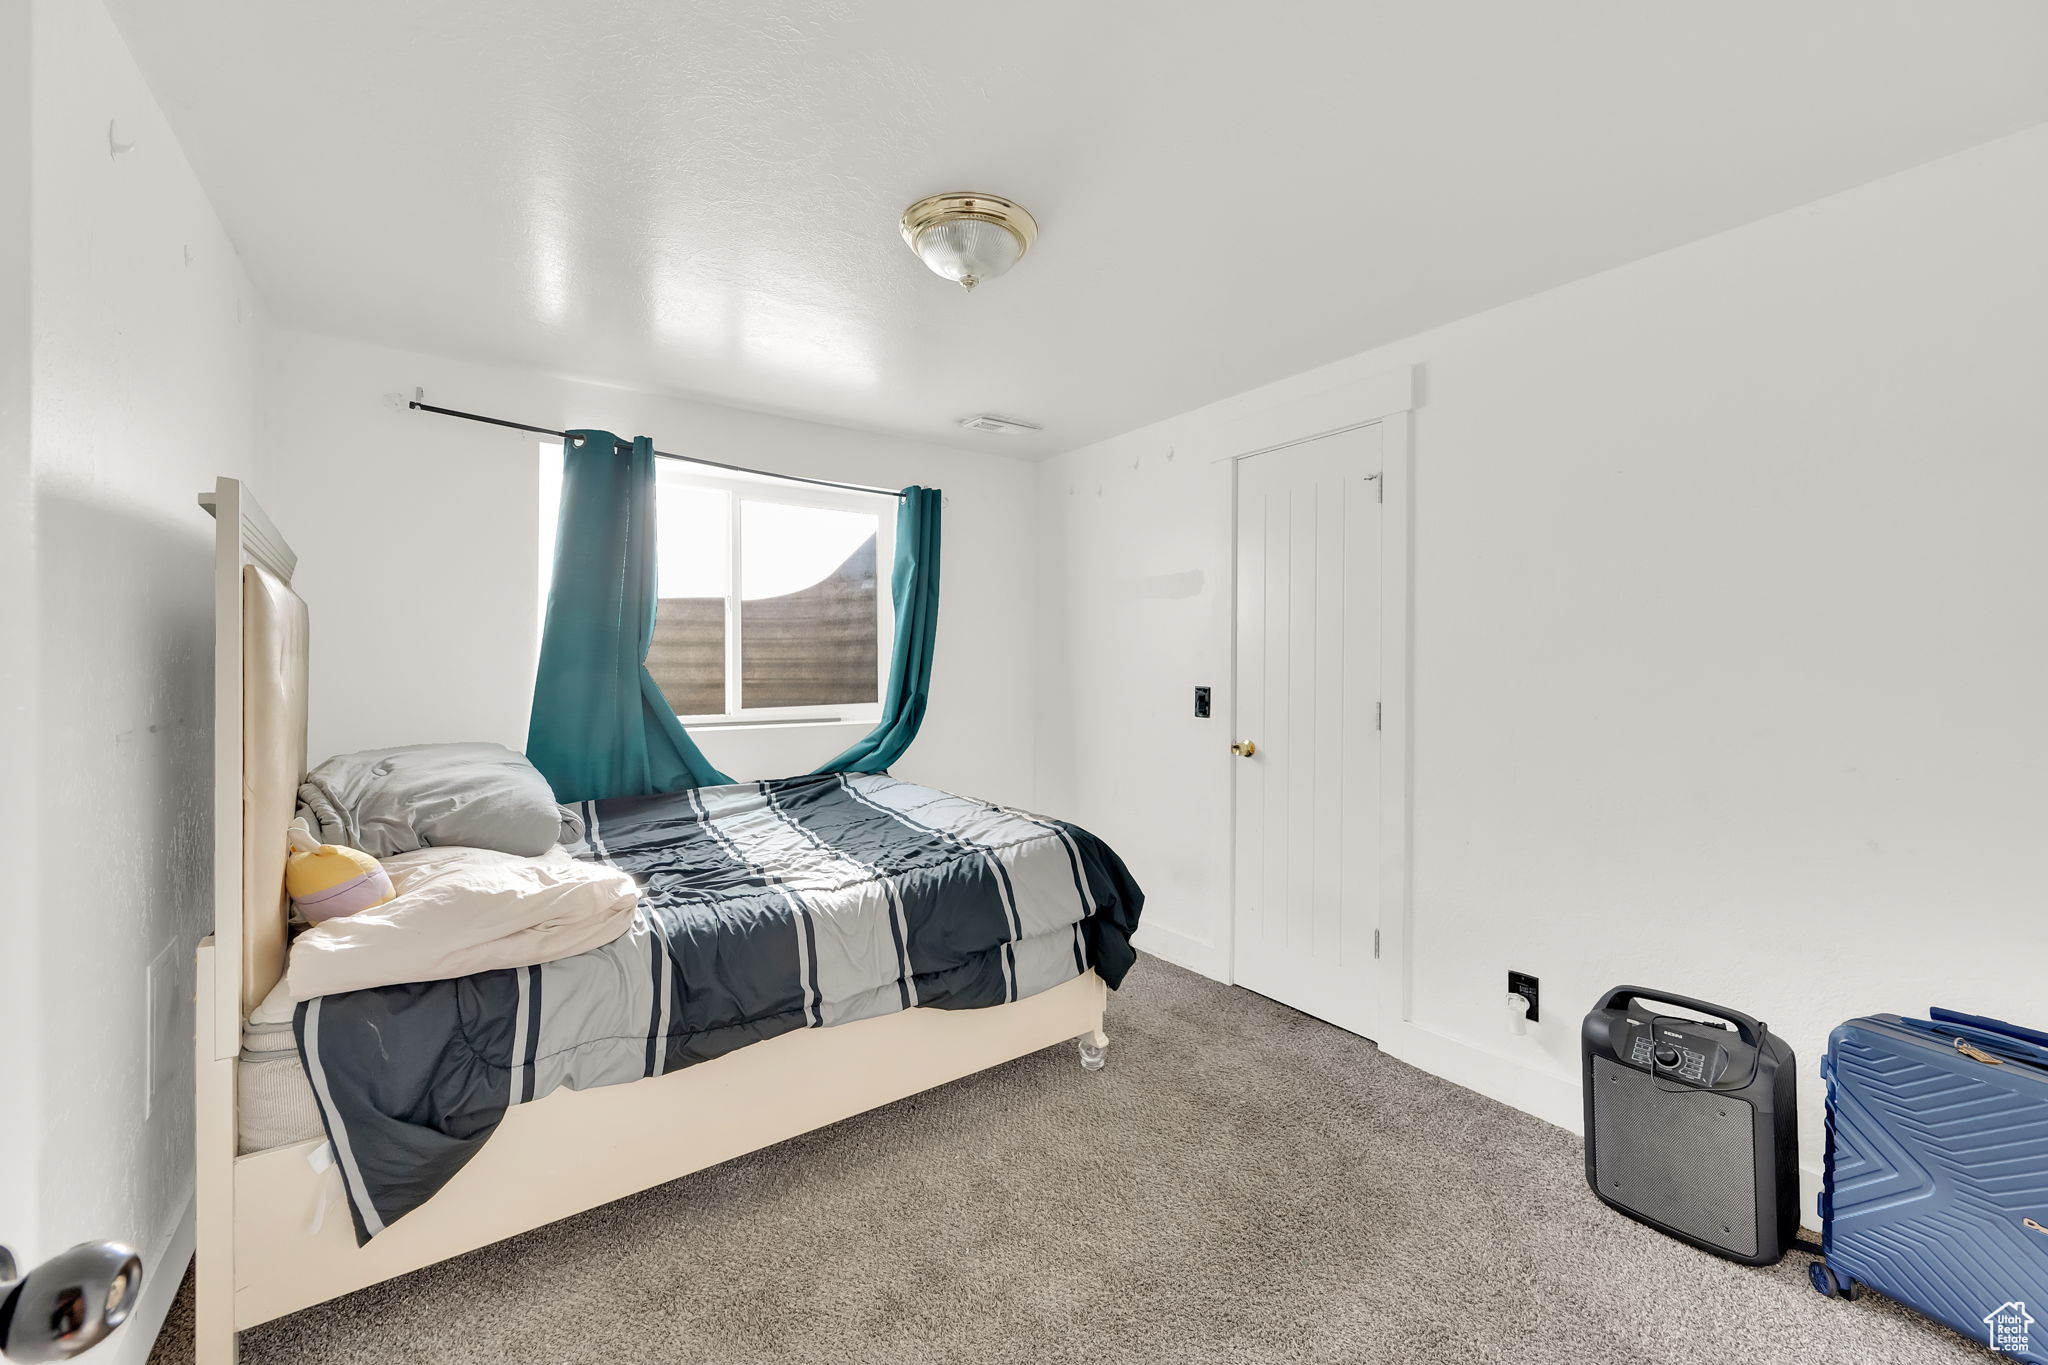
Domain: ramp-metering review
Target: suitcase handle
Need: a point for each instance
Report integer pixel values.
(1749, 1029)
(2002, 1046)
(2025, 1035)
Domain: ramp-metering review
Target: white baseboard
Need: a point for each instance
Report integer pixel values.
(1544, 1094)
(1548, 1096)
(1182, 950)
(162, 1272)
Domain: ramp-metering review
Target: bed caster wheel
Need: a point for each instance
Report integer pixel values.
(1094, 1051)
(1826, 1285)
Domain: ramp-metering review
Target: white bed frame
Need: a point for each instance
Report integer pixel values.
(273, 1236)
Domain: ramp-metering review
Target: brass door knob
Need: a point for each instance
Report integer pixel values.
(1244, 748)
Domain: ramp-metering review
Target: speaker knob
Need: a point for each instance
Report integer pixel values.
(1666, 1055)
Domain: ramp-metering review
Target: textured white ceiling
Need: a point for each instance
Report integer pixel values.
(700, 196)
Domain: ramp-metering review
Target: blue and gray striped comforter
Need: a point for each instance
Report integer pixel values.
(765, 907)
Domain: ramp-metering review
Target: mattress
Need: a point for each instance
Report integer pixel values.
(276, 1108)
(765, 908)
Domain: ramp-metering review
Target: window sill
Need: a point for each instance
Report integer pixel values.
(725, 727)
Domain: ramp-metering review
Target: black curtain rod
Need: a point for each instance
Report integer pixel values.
(662, 454)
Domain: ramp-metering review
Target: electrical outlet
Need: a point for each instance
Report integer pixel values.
(1524, 985)
(160, 1018)
(1201, 703)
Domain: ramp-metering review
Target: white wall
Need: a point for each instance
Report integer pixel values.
(20, 1067)
(1731, 634)
(418, 539)
(142, 390)
(1728, 598)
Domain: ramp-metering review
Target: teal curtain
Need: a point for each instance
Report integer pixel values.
(914, 585)
(600, 726)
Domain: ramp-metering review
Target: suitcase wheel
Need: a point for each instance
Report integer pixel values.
(1826, 1285)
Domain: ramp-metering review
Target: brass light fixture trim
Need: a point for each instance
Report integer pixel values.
(956, 206)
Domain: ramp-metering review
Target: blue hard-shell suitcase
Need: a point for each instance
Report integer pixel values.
(1935, 1191)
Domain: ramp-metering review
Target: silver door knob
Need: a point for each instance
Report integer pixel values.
(69, 1303)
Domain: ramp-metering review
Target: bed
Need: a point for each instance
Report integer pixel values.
(923, 937)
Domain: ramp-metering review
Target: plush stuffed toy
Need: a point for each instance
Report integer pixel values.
(327, 881)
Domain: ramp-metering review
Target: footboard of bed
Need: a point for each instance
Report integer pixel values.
(651, 1132)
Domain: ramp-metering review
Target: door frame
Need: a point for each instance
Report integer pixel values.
(1384, 399)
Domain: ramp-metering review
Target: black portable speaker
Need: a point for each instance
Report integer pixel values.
(1692, 1126)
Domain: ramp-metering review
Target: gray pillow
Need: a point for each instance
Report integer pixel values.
(386, 801)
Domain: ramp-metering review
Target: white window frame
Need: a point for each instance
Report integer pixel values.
(759, 488)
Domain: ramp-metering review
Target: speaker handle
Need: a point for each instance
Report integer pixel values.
(1749, 1029)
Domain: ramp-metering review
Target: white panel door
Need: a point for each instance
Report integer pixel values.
(1306, 898)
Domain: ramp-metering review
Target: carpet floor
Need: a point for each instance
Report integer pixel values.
(1242, 1183)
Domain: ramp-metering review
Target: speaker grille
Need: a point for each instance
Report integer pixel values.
(1685, 1158)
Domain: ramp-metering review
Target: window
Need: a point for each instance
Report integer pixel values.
(773, 597)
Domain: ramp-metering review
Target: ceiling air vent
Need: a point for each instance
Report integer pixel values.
(988, 421)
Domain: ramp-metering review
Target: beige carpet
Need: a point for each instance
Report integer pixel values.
(1241, 1184)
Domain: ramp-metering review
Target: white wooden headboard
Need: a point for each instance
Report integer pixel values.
(259, 750)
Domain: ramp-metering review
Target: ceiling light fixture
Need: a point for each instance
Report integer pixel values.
(968, 237)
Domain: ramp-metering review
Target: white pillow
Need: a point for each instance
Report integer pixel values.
(460, 911)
